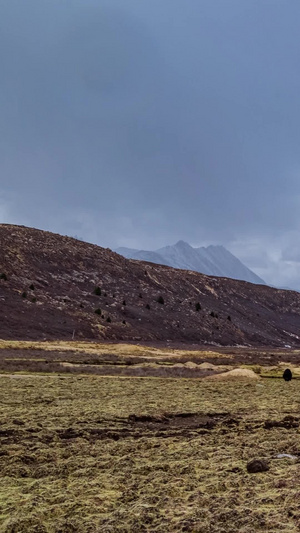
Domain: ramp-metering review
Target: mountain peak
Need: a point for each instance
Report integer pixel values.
(183, 245)
(213, 260)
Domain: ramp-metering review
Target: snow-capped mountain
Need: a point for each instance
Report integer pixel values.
(212, 260)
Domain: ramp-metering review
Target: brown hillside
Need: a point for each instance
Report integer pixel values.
(50, 292)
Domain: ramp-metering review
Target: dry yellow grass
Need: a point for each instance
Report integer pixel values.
(73, 460)
(235, 374)
(101, 348)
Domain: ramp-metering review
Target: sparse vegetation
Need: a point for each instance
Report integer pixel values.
(108, 319)
(147, 306)
(61, 286)
(31, 287)
(197, 306)
(124, 302)
(97, 291)
(160, 300)
(33, 300)
(24, 294)
(3, 276)
(98, 311)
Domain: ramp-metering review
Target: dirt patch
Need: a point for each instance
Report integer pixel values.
(288, 422)
(182, 421)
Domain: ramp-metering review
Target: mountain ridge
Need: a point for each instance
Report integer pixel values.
(213, 260)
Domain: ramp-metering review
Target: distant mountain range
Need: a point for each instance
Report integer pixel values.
(210, 260)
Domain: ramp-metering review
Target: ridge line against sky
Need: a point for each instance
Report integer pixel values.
(141, 123)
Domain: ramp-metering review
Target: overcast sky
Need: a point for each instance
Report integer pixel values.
(141, 122)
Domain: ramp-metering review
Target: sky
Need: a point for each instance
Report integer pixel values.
(139, 123)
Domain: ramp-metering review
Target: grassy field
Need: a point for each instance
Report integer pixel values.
(107, 454)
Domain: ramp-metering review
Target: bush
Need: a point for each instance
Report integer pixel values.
(98, 311)
(24, 294)
(31, 287)
(212, 314)
(3, 276)
(33, 300)
(160, 300)
(124, 302)
(229, 318)
(108, 319)
(197, 306)
(147, 306)
(124, 321)
(97, 291)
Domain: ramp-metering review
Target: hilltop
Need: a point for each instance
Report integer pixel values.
(51, 286)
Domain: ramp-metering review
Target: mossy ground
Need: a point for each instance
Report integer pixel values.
(72, 459)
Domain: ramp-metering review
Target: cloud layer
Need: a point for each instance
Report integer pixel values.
(140, 123)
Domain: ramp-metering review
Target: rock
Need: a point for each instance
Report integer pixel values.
(257, 465)
(286, 456)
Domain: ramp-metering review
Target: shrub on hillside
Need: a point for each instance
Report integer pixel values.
(97, 291)
(160, 300)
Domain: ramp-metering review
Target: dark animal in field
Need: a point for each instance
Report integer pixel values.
(287, 375)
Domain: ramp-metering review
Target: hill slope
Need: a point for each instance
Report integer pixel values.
(50, 292)
(212, 260)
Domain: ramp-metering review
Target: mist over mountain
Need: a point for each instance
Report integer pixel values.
(210, 260)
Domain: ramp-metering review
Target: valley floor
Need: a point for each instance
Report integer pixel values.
(107, 453)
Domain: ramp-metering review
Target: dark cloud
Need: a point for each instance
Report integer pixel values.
(140, 123)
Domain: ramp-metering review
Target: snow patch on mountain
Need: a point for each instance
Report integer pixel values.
(210, 260)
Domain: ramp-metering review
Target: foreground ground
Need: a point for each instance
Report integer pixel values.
(92, 453)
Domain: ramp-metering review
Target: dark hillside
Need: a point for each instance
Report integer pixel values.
(52, 285)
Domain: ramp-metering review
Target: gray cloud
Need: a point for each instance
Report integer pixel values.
(140, 123)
